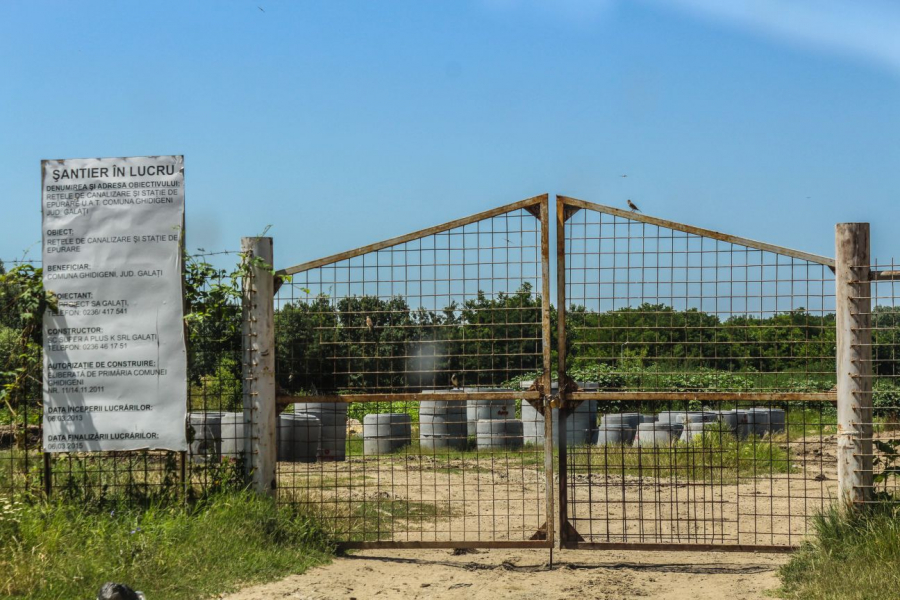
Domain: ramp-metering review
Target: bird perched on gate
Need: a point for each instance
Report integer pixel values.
(454, 381)
(369, 324)
(632, 206)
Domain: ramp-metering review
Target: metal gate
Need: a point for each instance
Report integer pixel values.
(733, 340)
(695, 396)
(413, 339)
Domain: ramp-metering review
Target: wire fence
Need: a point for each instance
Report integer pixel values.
(668, 310)
(741, 474)
(880, 425)
(412, 355)
(695, 407)
(688, 345)
(215, 428)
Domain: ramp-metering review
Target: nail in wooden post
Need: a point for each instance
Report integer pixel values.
(854, 361)
(259, 364)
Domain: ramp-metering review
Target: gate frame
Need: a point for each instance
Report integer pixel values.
(853, 276)
(569, 396)
(538, 396)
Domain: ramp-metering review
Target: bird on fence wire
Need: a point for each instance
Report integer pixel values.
(632, 206)
(454, 382)
(370, 325)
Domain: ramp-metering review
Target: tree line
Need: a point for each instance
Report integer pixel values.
(366, 343)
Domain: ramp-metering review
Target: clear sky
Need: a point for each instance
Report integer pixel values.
(344, 123)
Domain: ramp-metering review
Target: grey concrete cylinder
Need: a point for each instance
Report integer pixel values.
(692, 431)
(333, 416)
(442, 425)
(729, 419)
(656, 434)
(205, 433)
(759, 418)
(232, 428)
(614, 435)
(630, 419)
(298, 438)
(777, 420)
(673, 416)
(384, 433)
(579, 426)
(495, 434)
(648, 419)
(617, 420)
(484, 410)
(743, 427)
(701, 417)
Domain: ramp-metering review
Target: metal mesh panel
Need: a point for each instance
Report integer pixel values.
(716, 483)
(880, 441)
(673, 310)
(664, 320)
(398, 350)
(215, 387)
(21, 464)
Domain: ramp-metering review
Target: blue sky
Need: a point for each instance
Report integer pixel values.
(343, 123)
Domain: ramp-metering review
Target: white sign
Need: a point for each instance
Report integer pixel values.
(115, 363)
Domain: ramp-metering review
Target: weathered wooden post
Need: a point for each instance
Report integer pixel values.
(854, 361)
(259, 363)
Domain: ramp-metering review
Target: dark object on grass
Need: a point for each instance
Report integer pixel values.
(117, 591)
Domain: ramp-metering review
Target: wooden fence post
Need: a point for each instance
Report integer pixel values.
(259, 364)
(854, 361)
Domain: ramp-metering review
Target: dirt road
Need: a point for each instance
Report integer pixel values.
(523, 574)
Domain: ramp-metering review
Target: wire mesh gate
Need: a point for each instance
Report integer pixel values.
(696, 396)
(418, 367)
(710, 359)
(695, 400)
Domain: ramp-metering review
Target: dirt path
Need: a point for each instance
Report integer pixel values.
(523, 574)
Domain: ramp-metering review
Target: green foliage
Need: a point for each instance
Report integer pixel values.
(887, 468)
(173, 551)
(213, 317)
(220, 390)
(325, 344)
(691, 338)
(886, 397)
(23, 301)
(853, 556)
(358, 410)
(600, 373)
(715, 455)
(886, 338)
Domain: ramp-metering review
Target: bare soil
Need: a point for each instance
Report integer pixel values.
(525, 574)
(418, 497)
(491, 499)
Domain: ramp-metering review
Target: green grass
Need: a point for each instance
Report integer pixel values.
(717, 455)
(380, 519)
(853, 556)
(64, 551)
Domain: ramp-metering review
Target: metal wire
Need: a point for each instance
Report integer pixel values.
(411, 344)
(662, 319)
(879, 419)
(387, 357)
(214, 370)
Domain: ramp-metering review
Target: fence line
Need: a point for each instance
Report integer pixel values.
(391, 352)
